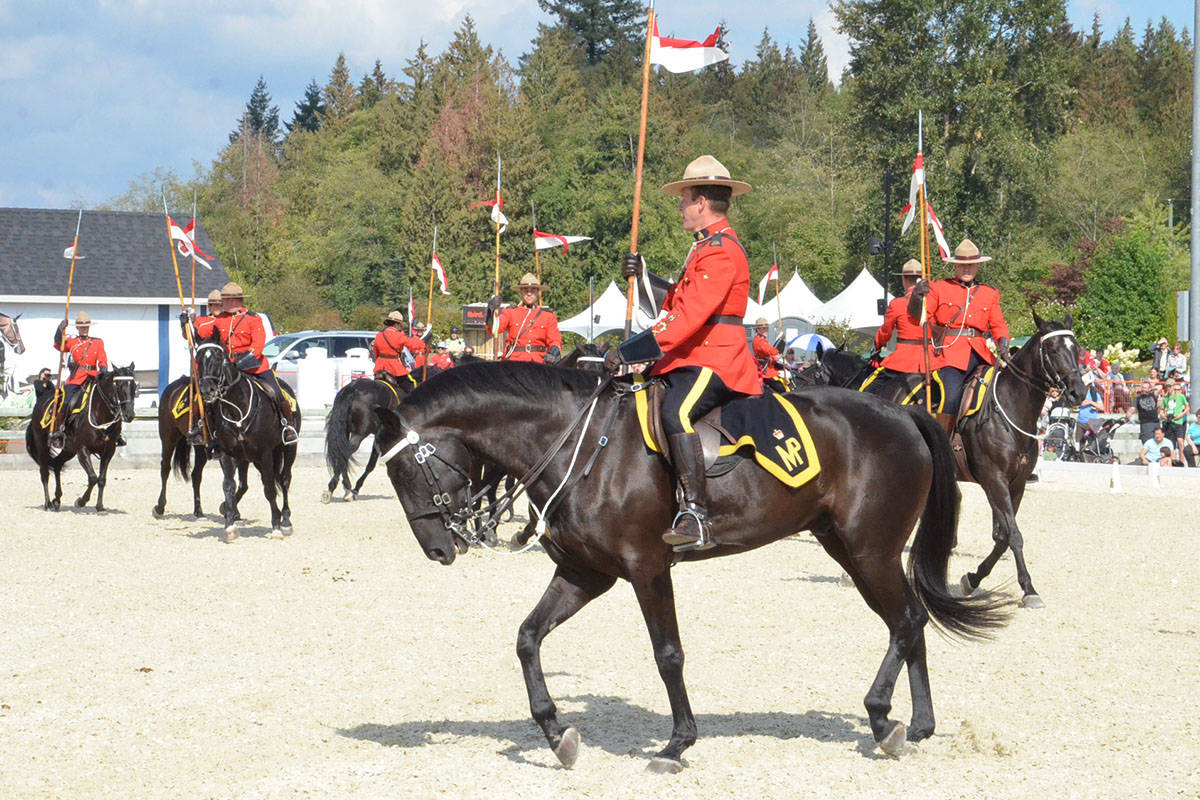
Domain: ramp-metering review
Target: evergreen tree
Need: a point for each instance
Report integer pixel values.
(260, 119)
(374, 86)
(813, 63)
(308, 110)
(339, 96)
(598, 26)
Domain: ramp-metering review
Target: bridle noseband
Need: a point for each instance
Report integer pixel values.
(1050, 379)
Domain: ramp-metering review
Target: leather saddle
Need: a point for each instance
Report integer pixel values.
(970, 390)
(712, 435)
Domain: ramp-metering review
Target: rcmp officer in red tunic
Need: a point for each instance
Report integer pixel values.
(202, 327)
(768, 358)
(698, 342)
(87, 360)
(531, 331)
(387, 351)
(244, 336)
(964, 312)
(909, 355)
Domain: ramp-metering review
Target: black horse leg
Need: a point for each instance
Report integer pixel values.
(287, 456)
(243, 485)
(199, 456)
(1005, 535)
(102, 478)
(85, 461)
(656, 596)
(57, 503)
(44, 469)
(568, 592)
(229, 507)
(267, 465)
(371, 462)
(164, 472)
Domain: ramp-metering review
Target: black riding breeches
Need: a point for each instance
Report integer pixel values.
(70, 392)
(953, 380)
(271, 381)
(692, 392)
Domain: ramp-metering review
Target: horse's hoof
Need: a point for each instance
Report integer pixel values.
(966, 587)
(350, 497)
(1032, 601)
(568, 749)
(198, 514)
(275, 534)
(286, 528)
(101, 510)
(895, 744)
(79, 501)
(157, 512)
(664, 766)
(326, 496)
(230, 534)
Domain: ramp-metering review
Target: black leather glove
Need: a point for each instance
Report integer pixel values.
(1002, 352)
(62, 325)
(494, 304)
(875, 356)
(921, 288)
(612, 362)
(554, 353)
(631, 267)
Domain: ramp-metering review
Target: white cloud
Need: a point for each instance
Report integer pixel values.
(836, 44)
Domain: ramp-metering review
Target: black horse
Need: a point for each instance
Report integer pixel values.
(351, 420)
(172, 435)
(587, 356)
(882, 467)
(999, 441)
(107, 405)
(246, 428)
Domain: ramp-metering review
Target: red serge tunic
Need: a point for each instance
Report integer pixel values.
(529, 332)
(88, 355)
(386, 350)
(909, 355)
(969, 313)
(715, 282)
(763, 351)
(242, 331)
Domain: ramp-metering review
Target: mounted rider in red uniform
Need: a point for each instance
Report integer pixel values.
(698, 343)
(909, 355)
(768, 358)
(530, 330)
(243, 335)
(388, 349)
(202, 327)
(86, 359)
(964, 313)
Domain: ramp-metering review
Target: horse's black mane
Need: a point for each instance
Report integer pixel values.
(523, 380)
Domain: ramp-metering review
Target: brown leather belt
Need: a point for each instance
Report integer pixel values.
(723, 319)
(909, 341)
(972, 333)
(529, 348)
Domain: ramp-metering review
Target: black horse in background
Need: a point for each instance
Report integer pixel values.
(94, 432)
(587, 356)
(172, 435)
(246, 427)
(1000, 440)
(882, 468)
(350, 421)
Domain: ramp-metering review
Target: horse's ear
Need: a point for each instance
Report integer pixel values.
(1068, 321)
(131, 366)
(1038, 322)
(820, 351)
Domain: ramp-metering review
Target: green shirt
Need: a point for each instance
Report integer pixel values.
(1175, 405)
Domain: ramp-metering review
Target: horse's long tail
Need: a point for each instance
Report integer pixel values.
(971, 617)
(181, 458)
(337, 436)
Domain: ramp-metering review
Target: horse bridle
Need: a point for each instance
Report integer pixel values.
(114, 408)
(1053, 380)
(224, 386)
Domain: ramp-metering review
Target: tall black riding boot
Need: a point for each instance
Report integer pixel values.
(690, 529)
(290, 435)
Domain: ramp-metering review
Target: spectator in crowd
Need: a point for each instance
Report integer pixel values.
(1177, 362)
(1165, 458)
(1146, 403)
(790, 362)
(1152, 448)
(1160, 353)
(1174, 414)
(1088, 418)
(455, 344)
(1190, 439)
(43, 385)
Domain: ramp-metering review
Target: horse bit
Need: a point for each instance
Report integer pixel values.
(1053, 379)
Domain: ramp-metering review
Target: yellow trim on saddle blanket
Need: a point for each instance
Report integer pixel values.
(916, 396)
(48, 414)
(287, 395)
(792, 450)
(985, 382)
(182, 402)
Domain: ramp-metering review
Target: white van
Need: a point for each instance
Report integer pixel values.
(284, 351)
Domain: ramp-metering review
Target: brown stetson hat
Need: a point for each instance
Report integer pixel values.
(911, 268)
(530, 281)
(394, 316)
(231, 289)
(214, 296)
(706, 171)
(761, 321)
(82, 318)
(967, 253)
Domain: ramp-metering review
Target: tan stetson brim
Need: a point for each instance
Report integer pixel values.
(706, 171)
(967, 253)
(911, 268)
(530, 281)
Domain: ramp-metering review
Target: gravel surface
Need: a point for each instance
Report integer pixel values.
(145, 659)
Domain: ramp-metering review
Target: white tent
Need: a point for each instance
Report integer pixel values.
(857, 305)
(604, 315)
(799, 307)
(799, 301)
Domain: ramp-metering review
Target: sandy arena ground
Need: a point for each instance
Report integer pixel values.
(145, 659)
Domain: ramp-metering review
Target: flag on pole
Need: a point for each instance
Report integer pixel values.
(440, 273)
(910, 209)
(684, 55)
(412, 311)
(544, 241)
(772, 275)
(70, 253)
(185, 243)
(497, 215)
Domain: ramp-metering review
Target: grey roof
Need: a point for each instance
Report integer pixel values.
(125, 254)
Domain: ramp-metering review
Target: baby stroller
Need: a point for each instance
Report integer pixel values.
(1096, 447)
(1060, 435)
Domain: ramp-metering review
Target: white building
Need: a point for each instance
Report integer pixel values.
(124, 279)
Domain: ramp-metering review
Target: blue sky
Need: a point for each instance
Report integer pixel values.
(96, 93)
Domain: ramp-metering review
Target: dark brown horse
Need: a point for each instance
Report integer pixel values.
(106, 406)
(350, 421)
(999, 441)
(882, 468)
(172, 435)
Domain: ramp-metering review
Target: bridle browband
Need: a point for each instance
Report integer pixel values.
(224, 386)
